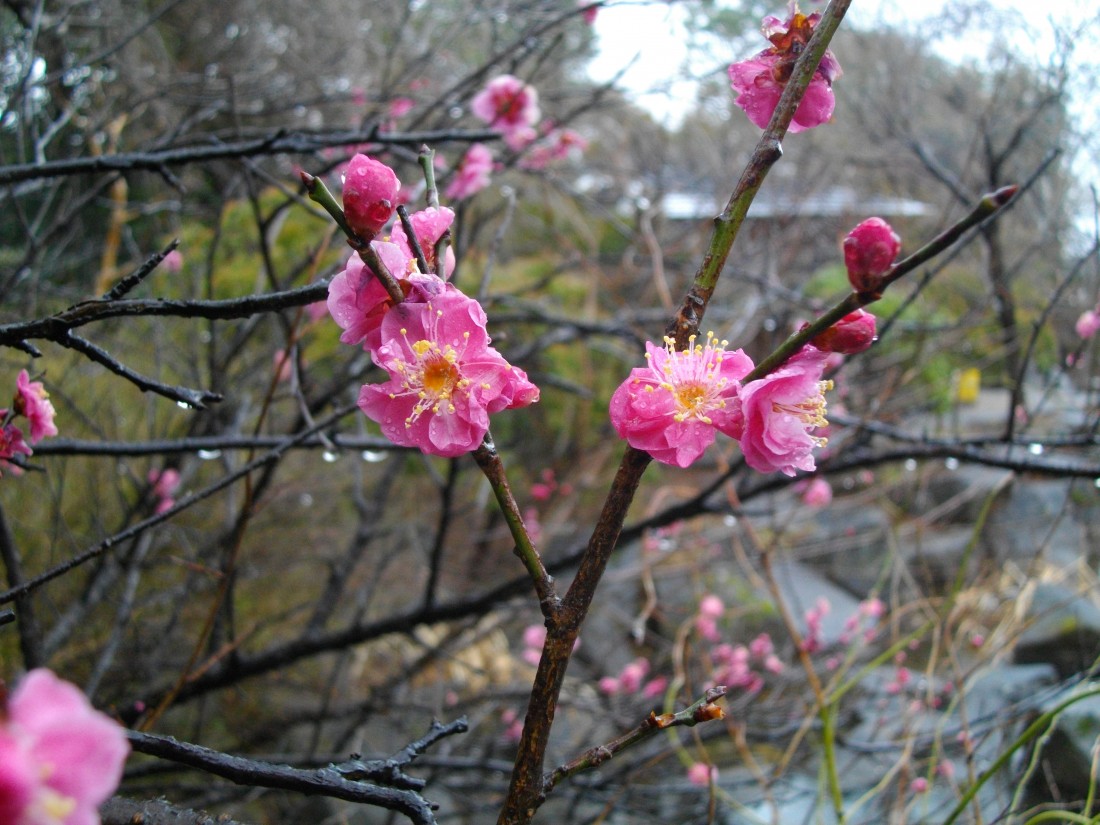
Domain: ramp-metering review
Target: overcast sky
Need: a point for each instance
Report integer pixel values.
(653, 32)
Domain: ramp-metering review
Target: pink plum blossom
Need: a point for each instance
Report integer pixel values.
(869, 251)
(918, 785)
(358, 302)
(165, 483)
(508, 104)
(445, 379)
(760, 81)
(11, 445)
(655, 687)
(707, 628)
(370, 195)
(173, 262)
(32, 401)
(701, 774)
(817, 493)
(59, 757)
(401, 106)
(853, 333)
(472, 174)
(588, 11)
(671, 407)
(429, 225)
(779, 412)
(1088, 324)
(711, 606)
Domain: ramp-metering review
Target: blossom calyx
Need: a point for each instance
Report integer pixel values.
(853, 333)
(869, 252)
(370, 195)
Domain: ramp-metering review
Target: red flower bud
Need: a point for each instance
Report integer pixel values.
(869, 251)
(851, 334)
(370, 195)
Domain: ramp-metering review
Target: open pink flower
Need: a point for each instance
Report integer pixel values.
(445, 379)
(760, 81)
(508, 104)
(429, 225)
(672, 407)
(472, 174)
(370, 195)
(780, 412)
(32, 400)
(358, 302)
(59, 757)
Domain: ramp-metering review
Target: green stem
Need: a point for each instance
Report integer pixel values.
(1033, 730)
(828, 747)
(489, 461)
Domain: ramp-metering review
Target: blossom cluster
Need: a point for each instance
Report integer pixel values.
(33, 403)
(445, 379)
(59, 757)
(673, 407)
(510, 105)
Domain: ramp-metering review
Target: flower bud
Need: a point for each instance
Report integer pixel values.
(869, 250)
(853, 333)
(370, 195)
(1088, 324)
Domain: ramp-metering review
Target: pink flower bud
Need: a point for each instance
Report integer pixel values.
(853, 333)
(711, 606)
(919, 785)
(370, 195)
(702, 774)
(869, 250)
(1088, 324)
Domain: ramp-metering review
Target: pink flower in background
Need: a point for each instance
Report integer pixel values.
(780, 412)
(165, 482)
(165, 485)
(59, 757)
(853, 333)
(283, 361)
(672, 407)
(358, 302)
(445, 379)
(1088, 324)
(429, 225)
(711, 606)
(760, 81)
(508, 104)
(11, 445)
(370, 195)
(173, 261)
(520, 138)
(472, 174)
(817, 493)
(869, 251)
(701, 774)
(401, 106)
(32, 400)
